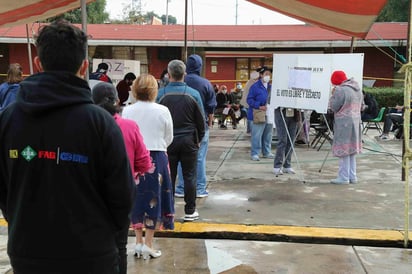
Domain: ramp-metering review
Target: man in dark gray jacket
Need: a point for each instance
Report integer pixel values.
(185, 106)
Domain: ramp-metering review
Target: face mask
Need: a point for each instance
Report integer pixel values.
(224, 91)
(239, 87)
(266, 79)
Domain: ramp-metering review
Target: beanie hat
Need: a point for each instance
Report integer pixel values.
(103, 93)
(338, 77)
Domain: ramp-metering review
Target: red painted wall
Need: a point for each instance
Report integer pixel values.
(376, 64)
(18, 53)
(156, 66)
(225, 71)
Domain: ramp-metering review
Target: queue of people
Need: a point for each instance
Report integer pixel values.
(114, 165)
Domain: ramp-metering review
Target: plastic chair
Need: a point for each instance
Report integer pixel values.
(375, 122)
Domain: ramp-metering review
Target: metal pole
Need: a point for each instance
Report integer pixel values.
(236, 11)
(407, 153)
(29, 50)
(167, 12)
(185, 46)
(84, 28)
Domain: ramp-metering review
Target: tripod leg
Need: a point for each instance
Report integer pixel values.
(324, 161)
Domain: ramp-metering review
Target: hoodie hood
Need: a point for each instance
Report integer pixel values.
(352, 84)
(194, 64)
(49, 91)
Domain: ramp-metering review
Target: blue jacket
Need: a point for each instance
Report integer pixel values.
(205, 88)
(10, 97)
(258, 96)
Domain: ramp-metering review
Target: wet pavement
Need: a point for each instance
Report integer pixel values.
(254, 222)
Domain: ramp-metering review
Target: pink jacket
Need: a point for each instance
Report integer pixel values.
(139, 156)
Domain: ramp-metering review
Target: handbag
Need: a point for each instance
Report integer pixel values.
(259, 116)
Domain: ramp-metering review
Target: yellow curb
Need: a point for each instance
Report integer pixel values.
(3, 222)
(296, 231)
(290, 231)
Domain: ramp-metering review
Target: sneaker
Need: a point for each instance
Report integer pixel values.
(269, 156)
(202, 195)
(179, 195)
(353, 181)
(255, 158)
(339, 181)
(289, 170)
(277, 171)
(191, 217)
(223, 126)
(234, 126)
(384, 137)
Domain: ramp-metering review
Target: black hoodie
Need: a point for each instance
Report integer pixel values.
(64, 176)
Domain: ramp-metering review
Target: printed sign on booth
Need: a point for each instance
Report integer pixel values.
(302, 81)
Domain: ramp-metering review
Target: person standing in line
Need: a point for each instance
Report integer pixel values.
(254, 76)
(123, 87)
(286, 121)
(185, 106)
(258, 98)
(105, 95)
(9, 89)
(154, 202)
(208, 95)
(346, 102)
(65, 179)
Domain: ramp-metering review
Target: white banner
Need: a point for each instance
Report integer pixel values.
(118, 68)
(302, 81)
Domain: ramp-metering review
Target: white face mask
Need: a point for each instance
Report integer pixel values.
(224, 91)
(266, 79)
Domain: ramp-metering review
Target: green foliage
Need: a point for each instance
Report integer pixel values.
(171, 20)
(95, 14)
(394, 11)
(387, 96)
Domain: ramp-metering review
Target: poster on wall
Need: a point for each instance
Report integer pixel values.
(302, 81)
(118, 68)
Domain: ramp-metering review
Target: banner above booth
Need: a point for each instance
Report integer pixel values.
(351, 17)
(22, 12)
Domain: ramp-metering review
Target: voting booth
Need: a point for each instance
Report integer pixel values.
(302, 81)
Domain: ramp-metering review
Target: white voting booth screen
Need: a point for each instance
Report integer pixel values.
(302, 81)
(118, 68)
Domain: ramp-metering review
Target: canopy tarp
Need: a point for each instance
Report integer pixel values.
(350, 17)
(20, 12)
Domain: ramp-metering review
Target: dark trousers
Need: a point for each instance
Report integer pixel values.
(121, 241)
(184, 150)
(390, 119)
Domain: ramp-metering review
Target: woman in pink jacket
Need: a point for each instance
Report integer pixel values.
(105, 96)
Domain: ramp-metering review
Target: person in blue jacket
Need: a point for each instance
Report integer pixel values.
(208, 95)
(9, 89)
(258, 98)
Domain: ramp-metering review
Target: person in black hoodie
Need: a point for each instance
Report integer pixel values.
(65, 180)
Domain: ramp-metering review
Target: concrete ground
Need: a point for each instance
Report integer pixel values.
(254, 222)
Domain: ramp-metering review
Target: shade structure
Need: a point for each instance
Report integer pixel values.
(350, 17)
(19, 12)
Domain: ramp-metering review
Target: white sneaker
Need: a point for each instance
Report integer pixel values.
(289, 170)
(277, 171)
(191, 217)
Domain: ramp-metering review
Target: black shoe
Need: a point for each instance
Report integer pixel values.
(223, 127)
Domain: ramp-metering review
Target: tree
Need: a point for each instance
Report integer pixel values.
(95, 14)
(394, 11)
(171, 20)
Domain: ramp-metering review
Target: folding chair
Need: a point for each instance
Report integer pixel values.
(375, 122)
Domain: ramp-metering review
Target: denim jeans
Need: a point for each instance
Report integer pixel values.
(284, 146)
(347, 168)
(261, 139)
(201, 167)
